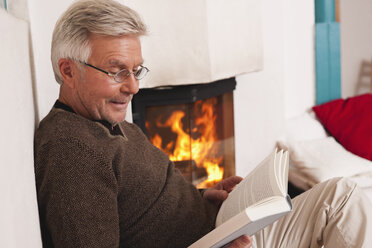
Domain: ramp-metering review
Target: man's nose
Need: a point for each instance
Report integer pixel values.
(130, 85)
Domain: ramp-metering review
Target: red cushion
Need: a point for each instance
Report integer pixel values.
(350, 122)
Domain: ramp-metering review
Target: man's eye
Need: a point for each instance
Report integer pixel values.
(114, 71)
(123, 72)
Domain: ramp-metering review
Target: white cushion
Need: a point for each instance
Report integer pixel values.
(19, 221)
(320, 159)
(304, 127)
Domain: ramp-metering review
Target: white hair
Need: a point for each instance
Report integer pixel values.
(84, 17)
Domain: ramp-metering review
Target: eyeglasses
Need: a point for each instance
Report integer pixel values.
(121, 75)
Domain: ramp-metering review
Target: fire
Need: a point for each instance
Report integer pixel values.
(201, 146)
(215, 174)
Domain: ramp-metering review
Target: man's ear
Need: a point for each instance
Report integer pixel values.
(69, 71)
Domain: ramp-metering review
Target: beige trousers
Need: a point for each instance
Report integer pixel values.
(334, 213)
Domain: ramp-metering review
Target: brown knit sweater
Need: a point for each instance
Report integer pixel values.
(96, 189)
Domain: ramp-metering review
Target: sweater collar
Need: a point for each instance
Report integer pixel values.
(114, 130)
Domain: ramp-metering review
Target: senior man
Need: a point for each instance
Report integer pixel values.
(100, 183)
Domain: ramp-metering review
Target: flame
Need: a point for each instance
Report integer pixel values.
(202, 149)
(215, 174)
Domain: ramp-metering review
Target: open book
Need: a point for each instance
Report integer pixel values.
(257, 201)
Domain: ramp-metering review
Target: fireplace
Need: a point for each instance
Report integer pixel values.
(193, 125)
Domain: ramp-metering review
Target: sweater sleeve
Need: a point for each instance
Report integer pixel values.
(77, 194)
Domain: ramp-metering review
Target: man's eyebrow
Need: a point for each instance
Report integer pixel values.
(115, 62)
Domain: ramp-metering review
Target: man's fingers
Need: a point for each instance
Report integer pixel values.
(243, 241)
(215, 195)
(231, 182)
(219, 192)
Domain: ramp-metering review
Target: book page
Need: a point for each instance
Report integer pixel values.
(260, 184)
(281, 171)
(285, 170)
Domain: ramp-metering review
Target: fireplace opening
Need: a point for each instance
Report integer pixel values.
(193, 125)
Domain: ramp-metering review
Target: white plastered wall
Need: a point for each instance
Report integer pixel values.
(259, 97)
(19, 222)
(199, 41)
(356, 46)
(43, 16)
(283, 89)
(299, 56)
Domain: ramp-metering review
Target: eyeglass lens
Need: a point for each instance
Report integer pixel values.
(141, 73)
(123, 74)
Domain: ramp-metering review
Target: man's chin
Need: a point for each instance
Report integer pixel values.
(116, 119)
(114, 116)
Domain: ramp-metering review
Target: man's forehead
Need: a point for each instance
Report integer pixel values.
(116, 50)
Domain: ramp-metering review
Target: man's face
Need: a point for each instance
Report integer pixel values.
(99, 96)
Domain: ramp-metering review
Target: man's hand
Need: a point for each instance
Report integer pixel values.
(219, 192)
(243, 241)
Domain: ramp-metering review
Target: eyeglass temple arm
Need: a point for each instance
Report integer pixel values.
(97, 68)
